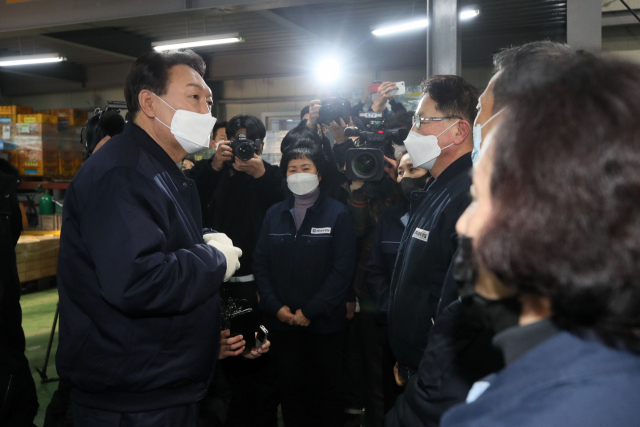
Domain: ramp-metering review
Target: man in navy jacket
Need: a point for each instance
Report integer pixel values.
(139, 303)
(428, 244)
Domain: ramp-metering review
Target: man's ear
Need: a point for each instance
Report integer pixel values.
(462, 131)
(147, 102)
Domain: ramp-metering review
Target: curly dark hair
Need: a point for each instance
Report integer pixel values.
(566, 199)
(151, 72)
(304, 148)
(453, 95)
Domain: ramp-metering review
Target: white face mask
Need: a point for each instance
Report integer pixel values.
(192, 130)
(424, 150)
(477, 136)
(301, 184)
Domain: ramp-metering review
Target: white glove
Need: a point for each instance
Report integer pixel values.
(231, 253)
(218, 237)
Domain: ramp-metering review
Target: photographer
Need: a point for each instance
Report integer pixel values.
(219, 133)
(380, 104)
(235, 196)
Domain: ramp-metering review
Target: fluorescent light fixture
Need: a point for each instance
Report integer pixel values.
(328, 70)
(197, 42)
(10, 61)
(423, 23)
(467, 14)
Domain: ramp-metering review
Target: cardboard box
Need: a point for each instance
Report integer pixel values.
(37, 118)
(11, 112)
(37, 257)
(66, 113)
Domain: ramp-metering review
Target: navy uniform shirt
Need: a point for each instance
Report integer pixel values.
(426, 251)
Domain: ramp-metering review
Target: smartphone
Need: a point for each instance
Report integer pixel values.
(261, 338)
(401, 89)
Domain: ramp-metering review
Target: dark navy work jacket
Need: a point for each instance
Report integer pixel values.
(426, 251)
(139, 303)
(566, 381)
(310, 269)
(384, 250)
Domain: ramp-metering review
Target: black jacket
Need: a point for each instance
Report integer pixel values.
(459, 353)
(236, 204)
(11, 333)
(309, 269)
(384, 250)
(139, 302)
(426, 251)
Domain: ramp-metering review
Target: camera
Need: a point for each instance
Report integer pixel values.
(104, 122)
(367, 163)
(244, 148)
(239, 321)
(334, 109)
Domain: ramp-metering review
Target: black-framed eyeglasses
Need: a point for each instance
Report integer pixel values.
(417, 120)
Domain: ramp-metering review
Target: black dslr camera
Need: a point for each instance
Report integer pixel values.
(367, 162)
(334, 109)
(244, 148)
(104, 122)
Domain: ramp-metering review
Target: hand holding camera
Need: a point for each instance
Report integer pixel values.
(314, 113)
(253, 167)
(224, 153)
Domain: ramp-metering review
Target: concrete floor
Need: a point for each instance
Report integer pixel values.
(38, 310)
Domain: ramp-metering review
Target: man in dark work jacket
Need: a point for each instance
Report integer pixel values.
(446, 111)
(139, 302)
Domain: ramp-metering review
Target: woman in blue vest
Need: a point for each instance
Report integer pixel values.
(304, 264)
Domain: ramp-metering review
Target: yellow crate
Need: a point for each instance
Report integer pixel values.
(37, 118)
(12, 111)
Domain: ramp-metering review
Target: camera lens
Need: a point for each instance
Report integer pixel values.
(245, 151)
(364, 165)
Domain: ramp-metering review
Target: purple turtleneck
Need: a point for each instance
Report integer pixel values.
(301, 204)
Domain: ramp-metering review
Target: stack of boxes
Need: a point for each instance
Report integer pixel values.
(37, 257)
(43, 144)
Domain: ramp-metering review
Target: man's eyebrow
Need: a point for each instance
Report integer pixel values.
(195, 85)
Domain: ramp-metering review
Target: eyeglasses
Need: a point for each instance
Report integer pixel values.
(417, 120)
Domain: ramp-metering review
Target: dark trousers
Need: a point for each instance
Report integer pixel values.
(309, 374)
(178, 416)
(254, 391)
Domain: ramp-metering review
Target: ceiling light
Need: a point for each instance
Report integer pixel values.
(467, 14)
(423, 23)
(30, 59)
(197, 42)
(328, 70)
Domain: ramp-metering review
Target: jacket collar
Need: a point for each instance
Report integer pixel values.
(134, 131)
(518, 340)
(316, 206)
(461, 165)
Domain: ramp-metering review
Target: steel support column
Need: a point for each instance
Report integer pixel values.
(443, 38)
(584, 25)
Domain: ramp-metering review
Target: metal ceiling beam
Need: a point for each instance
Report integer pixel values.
(286, 24)
(443, 38)
(611, 19)
(110, 41)
(47, 14)
(61, 70)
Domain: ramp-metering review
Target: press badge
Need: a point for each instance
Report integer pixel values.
(326, 230)
(421, 234)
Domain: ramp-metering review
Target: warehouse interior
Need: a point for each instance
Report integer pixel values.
(272, 73)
